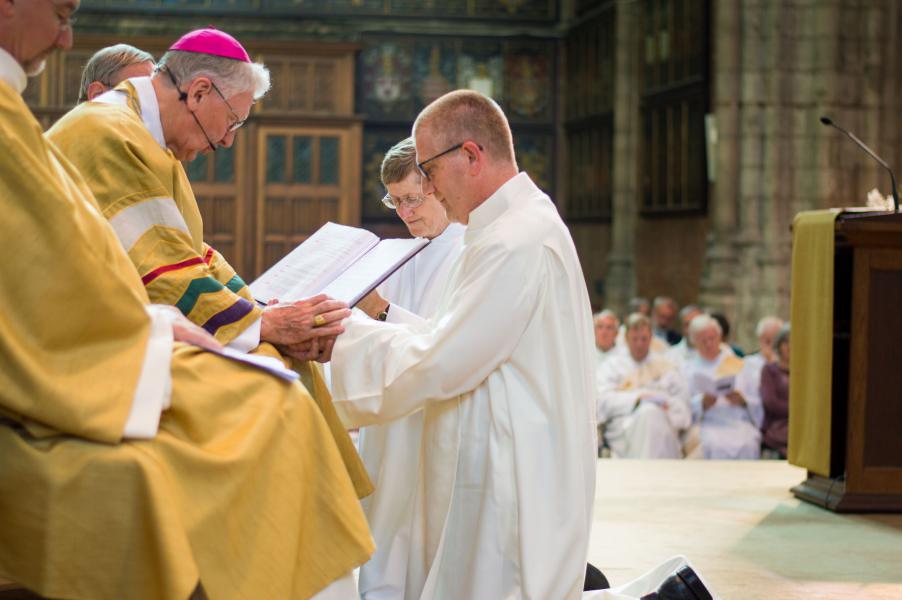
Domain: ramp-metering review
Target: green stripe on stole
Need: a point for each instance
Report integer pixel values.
(235, 284)
(202, 285)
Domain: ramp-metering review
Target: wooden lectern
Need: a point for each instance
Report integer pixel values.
(865, 432)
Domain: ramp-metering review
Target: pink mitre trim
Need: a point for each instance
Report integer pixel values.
(211, 41)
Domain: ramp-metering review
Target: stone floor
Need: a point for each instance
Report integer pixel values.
(742, 529)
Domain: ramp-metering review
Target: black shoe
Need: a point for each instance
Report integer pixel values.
(595, 579)
(684, 584)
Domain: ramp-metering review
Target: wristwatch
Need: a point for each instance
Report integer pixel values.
(381, 316)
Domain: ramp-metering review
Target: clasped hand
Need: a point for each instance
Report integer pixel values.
(293, 329)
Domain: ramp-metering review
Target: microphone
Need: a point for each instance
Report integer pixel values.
(829, 122)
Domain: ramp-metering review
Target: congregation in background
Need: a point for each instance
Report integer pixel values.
(669, 384)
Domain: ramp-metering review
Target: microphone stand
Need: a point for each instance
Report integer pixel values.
(829, 122)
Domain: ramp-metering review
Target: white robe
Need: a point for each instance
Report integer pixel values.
(504, 373)
(391, 451)
(727, 430)
(645, 429)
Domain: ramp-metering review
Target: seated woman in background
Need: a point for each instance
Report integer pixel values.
(775, 397)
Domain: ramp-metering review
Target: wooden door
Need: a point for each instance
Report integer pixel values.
(306, 176)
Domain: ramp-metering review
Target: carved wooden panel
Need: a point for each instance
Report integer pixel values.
(311, 81)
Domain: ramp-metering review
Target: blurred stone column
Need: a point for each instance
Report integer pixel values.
(620, 281)
(719, 275)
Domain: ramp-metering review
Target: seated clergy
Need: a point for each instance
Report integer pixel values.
(766, 331)
(642, 399)
(109, 66)
(683, 350)
(663, 315)
(775, 396)
(606, 327)
(133, 465)
(391, 451)
(128, 144)
(726, 407)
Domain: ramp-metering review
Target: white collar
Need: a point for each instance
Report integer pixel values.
(150, 107)
(515, 191)
(12, 72)
(450, 234)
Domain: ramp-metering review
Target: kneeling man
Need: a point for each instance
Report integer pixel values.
(642, 399)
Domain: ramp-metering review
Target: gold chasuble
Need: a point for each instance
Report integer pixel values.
(242, 488)
(144, 192)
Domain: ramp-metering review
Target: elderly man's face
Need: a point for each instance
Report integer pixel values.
(638, 340)
(605, 332)
(39, 27)
(707, 342)
(427, 220)
(766, 341)
(216, 117)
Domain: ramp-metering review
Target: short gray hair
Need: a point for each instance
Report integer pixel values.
(467, 115)
(701, 323)
(768, 322)
(230, 76)
(664, 300)
(106, 63)
(399, 162)
(782, 336)
(689, 309)
(605, 314)
(637, 320)
(637, 302)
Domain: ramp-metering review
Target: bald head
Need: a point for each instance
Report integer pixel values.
(465, 151)
(467, 115)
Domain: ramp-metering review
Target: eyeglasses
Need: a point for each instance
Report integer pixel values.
(236, 122)
(183, 97)
(421, 166)
(410, 202)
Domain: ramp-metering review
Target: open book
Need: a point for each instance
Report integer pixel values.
(705, 384)
(343, 262)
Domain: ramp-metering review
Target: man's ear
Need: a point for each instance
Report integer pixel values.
(200, 87)
(475, 157)
(95, 88)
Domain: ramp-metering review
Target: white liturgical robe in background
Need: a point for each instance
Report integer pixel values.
(727, 430)
(643, 429)
(504, 372)
(391, 452)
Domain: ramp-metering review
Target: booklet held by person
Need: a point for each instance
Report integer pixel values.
(345, 263)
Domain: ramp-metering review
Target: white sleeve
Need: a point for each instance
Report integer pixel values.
(383, 371)
(152, 393)
(397, 314)
(249, 338)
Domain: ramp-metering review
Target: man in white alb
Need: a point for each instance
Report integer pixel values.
(642, 399)
(391, 451)
(606, 327)
(503, 372)
(726, 407)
